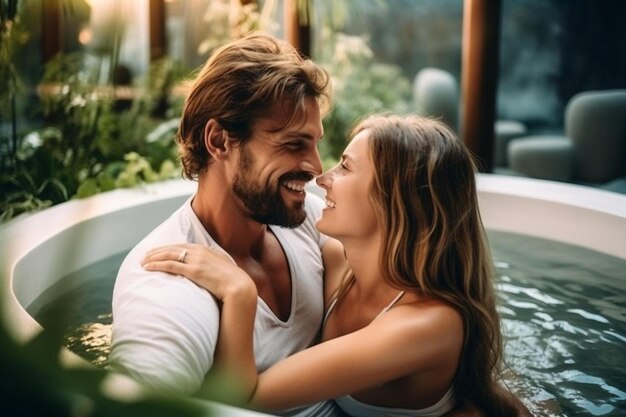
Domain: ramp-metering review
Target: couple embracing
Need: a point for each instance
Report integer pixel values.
(377, 301)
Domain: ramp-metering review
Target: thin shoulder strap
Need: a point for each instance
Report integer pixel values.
(391, 304)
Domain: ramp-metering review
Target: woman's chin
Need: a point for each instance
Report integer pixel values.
(322, 227)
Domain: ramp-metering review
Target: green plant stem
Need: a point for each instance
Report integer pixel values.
(14, 130)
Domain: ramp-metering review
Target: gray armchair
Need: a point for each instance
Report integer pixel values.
(592, 150)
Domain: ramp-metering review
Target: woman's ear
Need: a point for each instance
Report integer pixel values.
(216, 140)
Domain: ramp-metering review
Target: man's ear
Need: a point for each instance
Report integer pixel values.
(216, 140)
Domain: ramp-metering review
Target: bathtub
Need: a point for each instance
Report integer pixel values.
(39, 249)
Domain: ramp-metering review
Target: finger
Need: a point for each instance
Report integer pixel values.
(180, 247)
(171, 267)
(167, 253)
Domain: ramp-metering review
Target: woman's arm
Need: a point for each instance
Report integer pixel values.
(231, 285)
(380, 352)
(406, 340)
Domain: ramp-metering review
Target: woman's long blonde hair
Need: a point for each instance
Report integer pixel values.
(424, 194)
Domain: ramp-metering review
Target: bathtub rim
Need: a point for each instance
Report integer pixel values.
(562, 212)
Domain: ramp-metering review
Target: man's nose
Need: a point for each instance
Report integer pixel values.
(312, 163)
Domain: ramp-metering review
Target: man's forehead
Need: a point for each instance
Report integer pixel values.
(290, 121)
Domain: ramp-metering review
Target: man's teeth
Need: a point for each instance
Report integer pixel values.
(294, 186)
(330, 203)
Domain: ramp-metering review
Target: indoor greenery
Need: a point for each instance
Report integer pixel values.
(93, 139)
(95, 136)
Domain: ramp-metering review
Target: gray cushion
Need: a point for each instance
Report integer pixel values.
(505, 131)
(547, 157)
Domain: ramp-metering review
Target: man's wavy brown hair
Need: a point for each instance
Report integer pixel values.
(244, 81)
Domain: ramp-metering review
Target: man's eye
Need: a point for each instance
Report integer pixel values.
(296, 146)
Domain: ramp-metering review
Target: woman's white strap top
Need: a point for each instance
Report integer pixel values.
(383, 311)
(355, 408)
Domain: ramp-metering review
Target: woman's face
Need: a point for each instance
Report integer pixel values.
(349, 212)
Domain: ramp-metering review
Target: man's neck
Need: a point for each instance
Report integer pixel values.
(225, 220)
(251, 244)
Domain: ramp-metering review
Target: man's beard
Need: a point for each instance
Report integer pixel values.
(264, 204)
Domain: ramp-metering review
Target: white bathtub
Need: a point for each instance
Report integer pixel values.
(39, 249)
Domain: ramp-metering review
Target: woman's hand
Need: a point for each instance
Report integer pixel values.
(207, 267)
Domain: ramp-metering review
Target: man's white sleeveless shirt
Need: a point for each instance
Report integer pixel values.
(165, 328)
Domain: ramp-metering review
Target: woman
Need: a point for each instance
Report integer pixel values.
(411, 326)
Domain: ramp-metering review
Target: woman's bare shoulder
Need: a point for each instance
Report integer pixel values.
(436, 324)
(430, 314)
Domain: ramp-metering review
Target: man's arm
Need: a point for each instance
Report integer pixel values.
(164, 329)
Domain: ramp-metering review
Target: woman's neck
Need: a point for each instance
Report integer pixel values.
(363, 256)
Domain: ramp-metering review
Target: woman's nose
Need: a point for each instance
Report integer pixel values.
(324, 180)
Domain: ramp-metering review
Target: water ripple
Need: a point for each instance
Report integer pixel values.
(588, 315)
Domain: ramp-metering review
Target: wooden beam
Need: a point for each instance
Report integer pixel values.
(479, 77)
(51, 42)
(297, 30)
(158, 39)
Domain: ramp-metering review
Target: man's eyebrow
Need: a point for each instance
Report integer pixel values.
(303, 135)
(299, 134)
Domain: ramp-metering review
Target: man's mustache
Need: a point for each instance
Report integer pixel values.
(297, 176)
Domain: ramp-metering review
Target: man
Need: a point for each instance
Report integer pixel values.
(249, 136)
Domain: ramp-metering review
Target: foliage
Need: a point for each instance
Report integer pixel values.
(227, 20)
(94, 139)
(361, 87)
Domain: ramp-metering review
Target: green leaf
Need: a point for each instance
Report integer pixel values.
(106, 181)
(87, 188)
